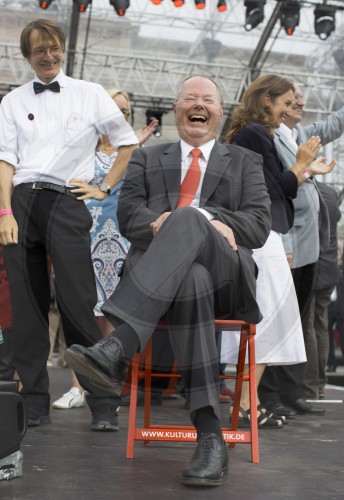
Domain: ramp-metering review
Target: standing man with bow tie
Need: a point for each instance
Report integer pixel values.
(191, 211)
(49, 129)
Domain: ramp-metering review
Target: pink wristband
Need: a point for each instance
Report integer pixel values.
(6, 211)
(306, 174)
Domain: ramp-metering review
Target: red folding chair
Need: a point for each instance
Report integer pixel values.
(142, 367)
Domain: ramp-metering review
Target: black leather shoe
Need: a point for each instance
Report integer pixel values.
(209, 463)
(103, 363)
(36, 415)
(302, 407)
(105, 418)
(278, 408)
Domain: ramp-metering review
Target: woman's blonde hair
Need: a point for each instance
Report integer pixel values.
(113, 92)
(254, 108)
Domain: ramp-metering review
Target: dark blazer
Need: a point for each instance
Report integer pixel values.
(327, 269)
(233, 190)
(282, 185)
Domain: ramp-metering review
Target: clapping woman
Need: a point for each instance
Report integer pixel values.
(279, 340)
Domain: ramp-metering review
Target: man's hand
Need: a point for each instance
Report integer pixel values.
(86, 191)
(226, 232)
(8, 230)
(156, 225)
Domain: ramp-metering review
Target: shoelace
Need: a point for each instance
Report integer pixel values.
(208, 444)
(110, 342)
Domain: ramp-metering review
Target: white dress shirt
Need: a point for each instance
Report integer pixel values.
(203, 162)
(52, 136)
(290, 135)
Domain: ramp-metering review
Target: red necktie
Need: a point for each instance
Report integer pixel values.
(190, 183)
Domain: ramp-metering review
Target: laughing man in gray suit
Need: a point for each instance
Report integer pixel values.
(302, 244)
(186, 264)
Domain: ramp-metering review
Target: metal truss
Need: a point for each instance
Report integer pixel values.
(152, 79)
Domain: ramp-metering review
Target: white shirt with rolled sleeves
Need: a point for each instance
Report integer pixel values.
(52, 136)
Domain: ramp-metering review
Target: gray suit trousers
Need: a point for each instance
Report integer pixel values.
(189, 274)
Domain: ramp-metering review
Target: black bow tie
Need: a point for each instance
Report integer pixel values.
(40, 87)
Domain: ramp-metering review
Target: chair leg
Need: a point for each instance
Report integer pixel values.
(253, 400)
(148, 385)
(133, 406)
(239, 381)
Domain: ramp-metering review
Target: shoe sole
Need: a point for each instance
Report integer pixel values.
(105, 427)
(315, 414)
(58, 407)
(284, 415)
(81, 364)
(280, 413)
(45, 419)
(198, 481)
(242, 424)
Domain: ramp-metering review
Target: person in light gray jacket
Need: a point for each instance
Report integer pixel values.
(302, 244)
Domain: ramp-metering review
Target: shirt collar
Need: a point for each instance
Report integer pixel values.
(290, 133)
(205, 148)
(60, 77)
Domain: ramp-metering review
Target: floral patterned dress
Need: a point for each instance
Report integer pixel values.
(108, 247)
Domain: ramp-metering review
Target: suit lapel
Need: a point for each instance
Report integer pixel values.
(218, 163)
(285, 142)
(170, 161)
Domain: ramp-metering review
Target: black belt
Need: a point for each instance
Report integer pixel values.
(47, 185)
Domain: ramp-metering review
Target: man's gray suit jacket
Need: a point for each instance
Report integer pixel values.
(304, 240)
(233, 191)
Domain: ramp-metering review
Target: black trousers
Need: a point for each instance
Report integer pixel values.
(54, 224)
(285, 382)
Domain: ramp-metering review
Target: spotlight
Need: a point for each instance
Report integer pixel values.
(221, 5)
(178, 3)
(82, 4)
(254, 13)
(324, 21)
(157, 114)
(44, 4)
(156, 2)
(290, 16)
(200, 4)
(120, 6)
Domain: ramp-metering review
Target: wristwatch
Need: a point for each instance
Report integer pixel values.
(105, 188)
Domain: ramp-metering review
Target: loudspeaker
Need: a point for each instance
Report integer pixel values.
(13, 422)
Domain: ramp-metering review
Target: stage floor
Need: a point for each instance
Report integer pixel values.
(65, 460)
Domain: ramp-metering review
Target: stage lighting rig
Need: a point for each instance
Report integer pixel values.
(200, 4)
(324, 21)
(157, 114)
(221, 5)
(82, 4)
(120, 6)
(254, 13)
(44, 4)
(290, 16)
